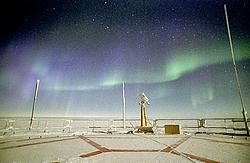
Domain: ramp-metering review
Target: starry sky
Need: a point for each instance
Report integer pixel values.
(176, 51)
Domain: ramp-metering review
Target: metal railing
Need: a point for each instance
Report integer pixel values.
(188, 125)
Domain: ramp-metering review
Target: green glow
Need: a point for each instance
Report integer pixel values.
(73, 88)
(210, 94)
(186, 61)
(181, 62)
(161, 91)
(201, 94)
(112, 80)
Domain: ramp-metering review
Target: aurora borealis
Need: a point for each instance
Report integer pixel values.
(177, 52)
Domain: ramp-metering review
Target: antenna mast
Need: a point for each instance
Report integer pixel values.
(123, 104)
(236, 72)
(34, 104)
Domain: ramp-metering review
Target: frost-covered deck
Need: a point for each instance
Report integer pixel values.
(124, 148)
(105, 140)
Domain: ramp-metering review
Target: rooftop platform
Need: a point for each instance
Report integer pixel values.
(124, 148)
(105, 140)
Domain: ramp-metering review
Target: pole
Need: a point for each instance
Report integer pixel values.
(142, 114)
(244, 113)
(124, 104)
(34, 103)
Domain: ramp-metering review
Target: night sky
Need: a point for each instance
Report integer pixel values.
(176, 51)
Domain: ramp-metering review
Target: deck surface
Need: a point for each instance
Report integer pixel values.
(124, 148)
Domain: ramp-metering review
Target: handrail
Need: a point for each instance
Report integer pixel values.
(82, 124)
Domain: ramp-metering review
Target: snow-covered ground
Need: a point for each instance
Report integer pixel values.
(125, 148)
(104, 140)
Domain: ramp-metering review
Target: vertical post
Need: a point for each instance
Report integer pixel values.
(34, 103)
(142, 114)
(236, 72)
(124, 104)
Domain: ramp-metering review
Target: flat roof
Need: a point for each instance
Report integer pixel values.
(79, 147)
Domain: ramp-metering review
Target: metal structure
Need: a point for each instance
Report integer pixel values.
(236, 71)
(144, 125)
(228, 126)
(34, 103)
(143, 103)
(123, 104)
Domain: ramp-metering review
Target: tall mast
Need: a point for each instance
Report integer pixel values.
(236, 71)
(123, 104)
(34, 103)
